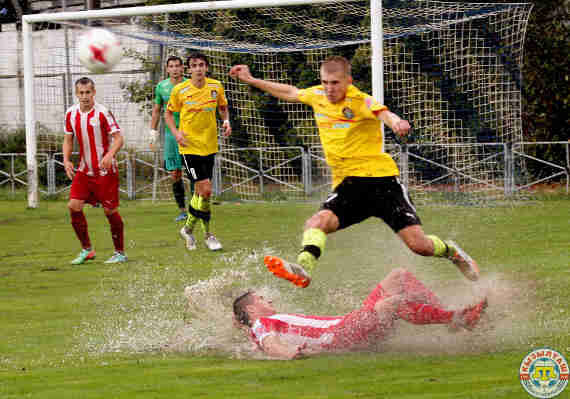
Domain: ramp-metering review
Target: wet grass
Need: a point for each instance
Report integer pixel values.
(61, 325)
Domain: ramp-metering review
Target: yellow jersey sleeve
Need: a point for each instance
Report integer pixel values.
(174, 103)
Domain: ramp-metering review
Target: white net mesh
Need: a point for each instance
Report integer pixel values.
(453, 70)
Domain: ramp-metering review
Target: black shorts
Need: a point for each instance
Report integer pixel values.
(356, 199)
(199, 167)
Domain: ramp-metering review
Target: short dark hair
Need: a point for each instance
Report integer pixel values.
(174, 58)
(240, 311)
(197, 56)
(335, 63)
(84, 81)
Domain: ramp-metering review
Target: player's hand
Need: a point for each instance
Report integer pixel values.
(69, 169)
(299, 352)
(180, 139)
(153, 137)
(241, 72)
(106, 164)
(401, 128)
(227, 128)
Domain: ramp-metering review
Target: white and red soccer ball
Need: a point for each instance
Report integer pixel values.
(99, 50)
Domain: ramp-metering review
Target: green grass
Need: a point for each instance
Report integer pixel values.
(95, 331)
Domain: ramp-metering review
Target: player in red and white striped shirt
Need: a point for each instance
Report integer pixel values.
(96, 179)
(399, 296)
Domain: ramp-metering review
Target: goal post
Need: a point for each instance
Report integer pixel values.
(453, 69)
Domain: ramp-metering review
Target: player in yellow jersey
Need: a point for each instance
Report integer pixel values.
(365, 179)
(197, 100)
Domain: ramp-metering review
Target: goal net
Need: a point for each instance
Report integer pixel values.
(452, 69)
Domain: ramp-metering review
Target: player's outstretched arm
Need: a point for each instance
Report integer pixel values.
(398, 125)
(275, 347)
(279, 90)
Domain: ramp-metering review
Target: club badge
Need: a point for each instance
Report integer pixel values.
(544, 373)
(347, 112)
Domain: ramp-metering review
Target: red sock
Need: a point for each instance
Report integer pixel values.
(416, 291)
(376, 294)
(422, 313)
(79, 224)
(116, 223)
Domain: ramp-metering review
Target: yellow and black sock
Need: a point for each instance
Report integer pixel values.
(204, 208)
(440, 248)
(313, 246)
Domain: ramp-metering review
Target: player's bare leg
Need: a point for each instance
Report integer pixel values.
(431, 245)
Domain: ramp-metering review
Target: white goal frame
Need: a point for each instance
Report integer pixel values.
(28, 20)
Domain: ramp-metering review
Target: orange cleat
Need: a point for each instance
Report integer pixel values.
(288, 271)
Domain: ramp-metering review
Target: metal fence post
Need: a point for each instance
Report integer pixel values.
(404, 172)
(217, 177)
(509, 170)
(51, 174)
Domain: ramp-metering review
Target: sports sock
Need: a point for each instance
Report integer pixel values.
(376, 294)
(204, 206)
(178, 190)
(414, 290)
(79, 224)
(117, 231)
(313, 246)
(440, 248)
(423, 313)
(192, 208)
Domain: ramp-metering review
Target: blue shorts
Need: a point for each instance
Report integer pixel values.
(172, 158)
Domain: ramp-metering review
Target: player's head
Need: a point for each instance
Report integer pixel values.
(174, 67)
(85, 92)
(249, 306)
(198, 64)
(335, 78)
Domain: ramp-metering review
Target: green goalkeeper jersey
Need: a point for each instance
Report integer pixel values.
(161, 97)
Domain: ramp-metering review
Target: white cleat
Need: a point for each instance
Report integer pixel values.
(212, 242)
(464, 262)
(186, 233)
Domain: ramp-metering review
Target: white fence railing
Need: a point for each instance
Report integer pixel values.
(494, 171)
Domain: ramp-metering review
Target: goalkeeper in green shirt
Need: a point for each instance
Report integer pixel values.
(172, 158)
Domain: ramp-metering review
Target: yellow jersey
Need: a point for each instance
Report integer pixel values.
(197, 108)
(351, 134)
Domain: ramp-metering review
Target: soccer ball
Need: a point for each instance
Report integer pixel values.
(99, 50)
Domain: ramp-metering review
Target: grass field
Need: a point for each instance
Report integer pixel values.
(125, 331)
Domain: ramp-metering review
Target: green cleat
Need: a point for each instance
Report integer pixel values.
(84, 255)
(117, 257)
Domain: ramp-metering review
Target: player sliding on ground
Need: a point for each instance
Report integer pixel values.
(365, 178)
(399, 296)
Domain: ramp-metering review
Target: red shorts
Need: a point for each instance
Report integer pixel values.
(96, 189)
(362, 327)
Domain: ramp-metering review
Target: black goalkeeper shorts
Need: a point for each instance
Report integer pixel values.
(356, 199)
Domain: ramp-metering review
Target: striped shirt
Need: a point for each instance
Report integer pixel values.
(93, 130)
(296, 329)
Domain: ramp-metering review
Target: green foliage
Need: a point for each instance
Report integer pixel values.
(12, 141)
